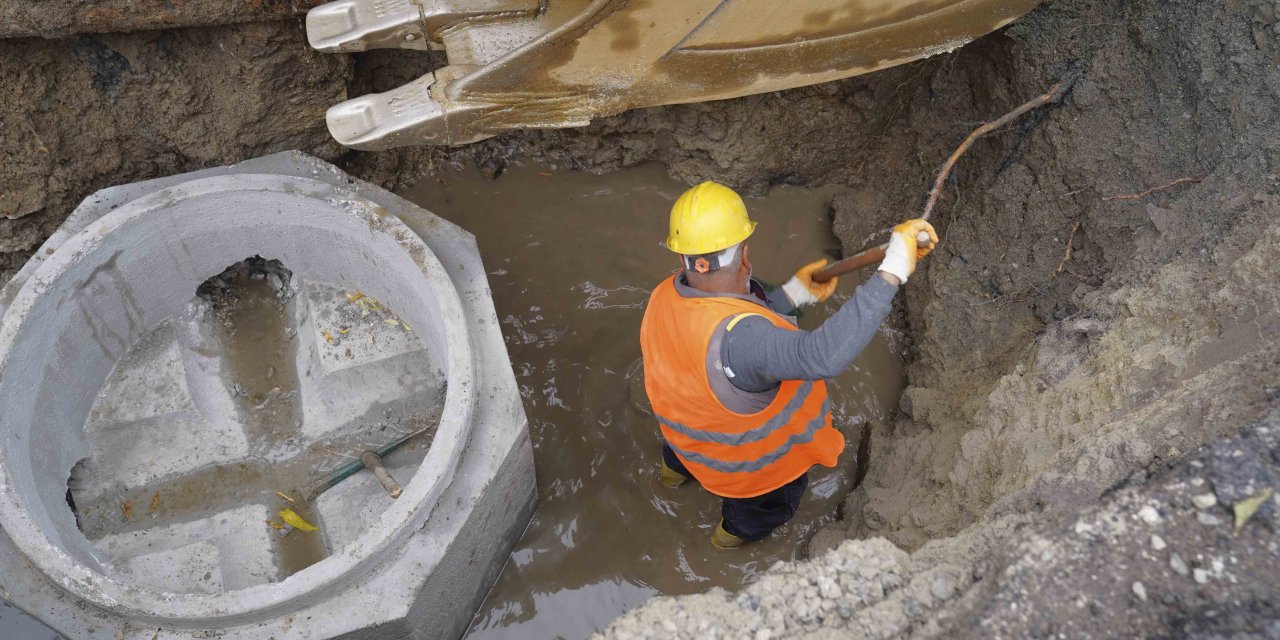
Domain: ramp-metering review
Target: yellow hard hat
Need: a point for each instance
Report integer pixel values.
(708, 218)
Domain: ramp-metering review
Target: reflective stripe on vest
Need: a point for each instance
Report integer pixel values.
(746, 466)
(759, 433)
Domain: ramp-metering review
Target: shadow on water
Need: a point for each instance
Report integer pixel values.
(571, 258)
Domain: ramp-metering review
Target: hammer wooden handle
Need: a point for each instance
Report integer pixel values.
(373, 462)
(861, 259)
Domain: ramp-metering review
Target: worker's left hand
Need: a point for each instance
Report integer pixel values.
(910, 241)
(803, 290)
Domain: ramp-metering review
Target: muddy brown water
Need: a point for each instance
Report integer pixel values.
(571, 259)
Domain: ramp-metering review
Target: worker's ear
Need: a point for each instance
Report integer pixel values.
(746, 258)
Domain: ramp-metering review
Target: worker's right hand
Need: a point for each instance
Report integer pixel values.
(906, 246)
(802, 289)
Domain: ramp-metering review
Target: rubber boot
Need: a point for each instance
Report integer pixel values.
(722, 539)
(670, 477)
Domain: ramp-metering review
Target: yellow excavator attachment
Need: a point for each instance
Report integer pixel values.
(515, 64)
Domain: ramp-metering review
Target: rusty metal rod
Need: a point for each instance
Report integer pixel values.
(873, 255)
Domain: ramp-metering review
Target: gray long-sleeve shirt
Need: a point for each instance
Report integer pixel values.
(760, 355)
(749, 361)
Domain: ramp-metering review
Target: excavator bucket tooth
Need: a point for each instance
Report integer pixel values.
(360, 25)
(409, 114)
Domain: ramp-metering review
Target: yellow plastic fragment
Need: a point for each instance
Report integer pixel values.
(345, 331)
(390, 322)
(355, 296)
(1249, 506)
(292, 518)
(406, 326)
(328, 337)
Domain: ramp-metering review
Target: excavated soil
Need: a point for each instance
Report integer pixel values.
(1072, 349)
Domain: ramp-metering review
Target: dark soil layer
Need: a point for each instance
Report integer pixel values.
(1065, 343)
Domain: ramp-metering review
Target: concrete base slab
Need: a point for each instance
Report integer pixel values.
(227, 551)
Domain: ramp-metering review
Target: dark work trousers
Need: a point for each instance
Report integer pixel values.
(752, 518)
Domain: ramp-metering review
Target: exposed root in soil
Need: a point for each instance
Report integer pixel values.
(1162, 187)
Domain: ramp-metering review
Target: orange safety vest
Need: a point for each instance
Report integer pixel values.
(731, 454)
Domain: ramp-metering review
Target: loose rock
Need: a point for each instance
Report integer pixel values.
(1204, 501)
(1208, 519)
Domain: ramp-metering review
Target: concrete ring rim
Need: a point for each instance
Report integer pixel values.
(423, 490)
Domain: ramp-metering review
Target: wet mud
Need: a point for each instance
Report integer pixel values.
(571, 258)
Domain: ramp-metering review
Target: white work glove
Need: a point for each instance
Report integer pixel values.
(801, 288)
(906, 246)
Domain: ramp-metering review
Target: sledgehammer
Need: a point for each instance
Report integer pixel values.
(873, 255)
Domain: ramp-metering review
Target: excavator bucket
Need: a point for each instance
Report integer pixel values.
(517, 64)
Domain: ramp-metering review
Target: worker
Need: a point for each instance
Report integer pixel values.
(738, 390)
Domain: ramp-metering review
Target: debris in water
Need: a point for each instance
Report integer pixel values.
(127, 508)
(328, 337)
(406, 326)
(286, 497)
(292, 518)
(1249, 506)
(155, 503)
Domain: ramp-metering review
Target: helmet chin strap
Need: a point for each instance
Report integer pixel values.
(711, 261)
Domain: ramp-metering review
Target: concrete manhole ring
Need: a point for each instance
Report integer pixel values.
(158, 249)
